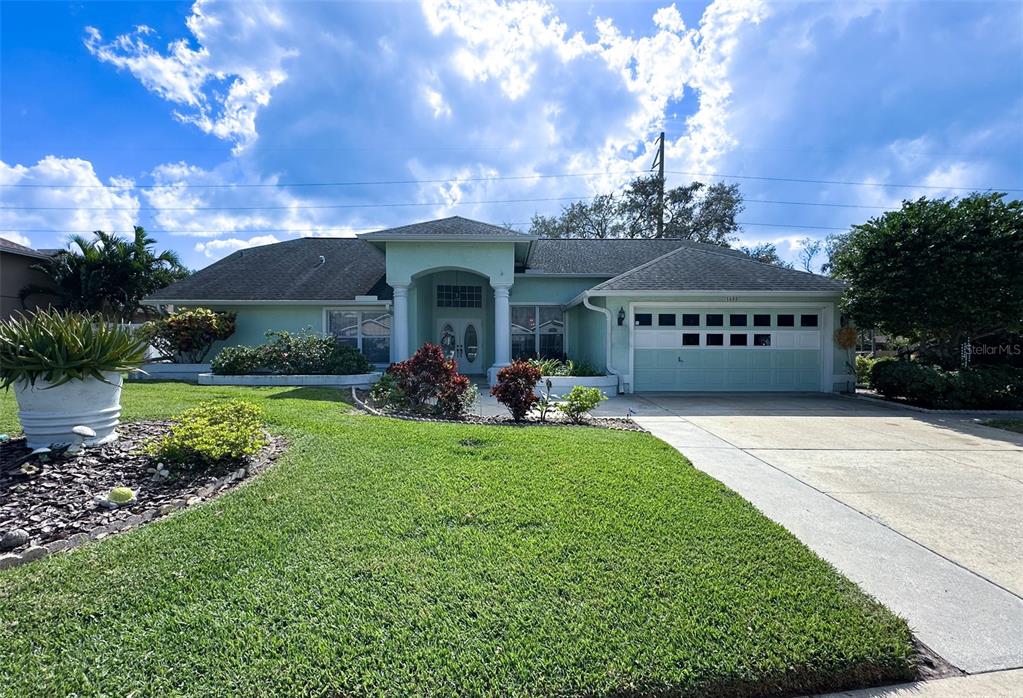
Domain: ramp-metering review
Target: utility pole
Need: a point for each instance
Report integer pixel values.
(659, 164)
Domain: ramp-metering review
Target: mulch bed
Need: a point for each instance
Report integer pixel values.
(63, 498)
(362, 399)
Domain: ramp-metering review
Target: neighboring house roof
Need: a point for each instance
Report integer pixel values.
(288, 271)
(11, 247)
(453, 228)
(689, 269)
(607, 257)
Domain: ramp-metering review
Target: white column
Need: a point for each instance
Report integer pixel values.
(502, 326)
(399, 328)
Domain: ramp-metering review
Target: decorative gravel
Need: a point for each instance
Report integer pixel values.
(65, 498)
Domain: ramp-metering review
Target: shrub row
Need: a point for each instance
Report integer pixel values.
(980, 387)
(304, 353)
(568, 367)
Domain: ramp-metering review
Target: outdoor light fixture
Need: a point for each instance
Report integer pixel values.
(621, 316)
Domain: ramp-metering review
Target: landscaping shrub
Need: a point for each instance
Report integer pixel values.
(557, 367)
(980, 387)
(864, 364)
(429, 381)
(515, 388)
(288, 353)
(60, 347)
(212, 433)
(186, 336)
(579, 401)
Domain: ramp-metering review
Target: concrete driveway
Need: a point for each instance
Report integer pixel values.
(925, 512)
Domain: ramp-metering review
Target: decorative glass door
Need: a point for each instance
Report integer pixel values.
(461, 340)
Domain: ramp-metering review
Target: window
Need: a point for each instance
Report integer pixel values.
(644, 319)
(761, 320)
(691, 339)
(761, 340)
(666, 319)
(786, 320)
(737, 320)
(537, 330)
(369, 331)
(715, 320)
(808, 320)
(690, 319)
(737, 340)
(715, 340)
(459, 296)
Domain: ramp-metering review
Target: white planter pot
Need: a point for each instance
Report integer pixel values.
(48, 414)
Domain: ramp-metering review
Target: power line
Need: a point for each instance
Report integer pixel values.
(456, 180)
(396, 204)
(250, 231)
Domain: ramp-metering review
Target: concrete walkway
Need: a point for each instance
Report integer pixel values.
(923, 512)
(999, 684)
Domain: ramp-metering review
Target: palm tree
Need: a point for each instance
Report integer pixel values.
(110, 275)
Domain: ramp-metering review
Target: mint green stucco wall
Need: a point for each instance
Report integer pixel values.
(254, 320)
(493, 260)
(549, 289)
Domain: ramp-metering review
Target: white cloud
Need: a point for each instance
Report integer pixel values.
(215, 249)
(436, 101)
(18, 238)
(66, 196)
(239, 50)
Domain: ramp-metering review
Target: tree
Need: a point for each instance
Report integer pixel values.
(809, 248)
(110, 275)
(937, 271)
(765, 252)
(694, 211)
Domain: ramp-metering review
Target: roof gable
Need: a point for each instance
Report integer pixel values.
(688, 269)
(291, 271)
(449, 229)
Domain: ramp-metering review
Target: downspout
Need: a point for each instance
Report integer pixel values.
(607, 347)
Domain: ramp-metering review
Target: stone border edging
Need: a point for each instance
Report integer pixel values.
(914, 408)
(203, 494)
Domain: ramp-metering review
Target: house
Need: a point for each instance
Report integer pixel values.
(16, 273)
(662, 315)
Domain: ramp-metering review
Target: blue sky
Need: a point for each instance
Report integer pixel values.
(195, 120)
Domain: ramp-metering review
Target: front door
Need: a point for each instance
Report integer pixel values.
(461, 340)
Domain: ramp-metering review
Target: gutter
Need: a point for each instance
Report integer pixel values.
(585, 299)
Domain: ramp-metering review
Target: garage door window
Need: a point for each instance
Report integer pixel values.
(761, 320)
(786, 321)
(644, 319)
(666, 319)
(808, 320)
(690, 319)
(715, 320)
(715, 340)
(761, 340)
(737, 340)
(737, 320)
(690, 339)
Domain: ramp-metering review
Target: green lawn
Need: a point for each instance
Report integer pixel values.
(390, 557)
(1009, 424)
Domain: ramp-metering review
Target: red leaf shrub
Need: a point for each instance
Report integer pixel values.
(514, 389)
(431, 380)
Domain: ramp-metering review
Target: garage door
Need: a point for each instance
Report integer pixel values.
(713, 349)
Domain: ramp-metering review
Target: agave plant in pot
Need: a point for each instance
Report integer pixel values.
(66, 371)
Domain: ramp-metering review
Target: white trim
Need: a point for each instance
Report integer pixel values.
(208, 301)
(711, 293)
(827, 331)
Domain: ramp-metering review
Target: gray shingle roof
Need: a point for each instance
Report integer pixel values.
(12, 247)
(604, 257)
(453, 227)
(288, 270)
(689, 269)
